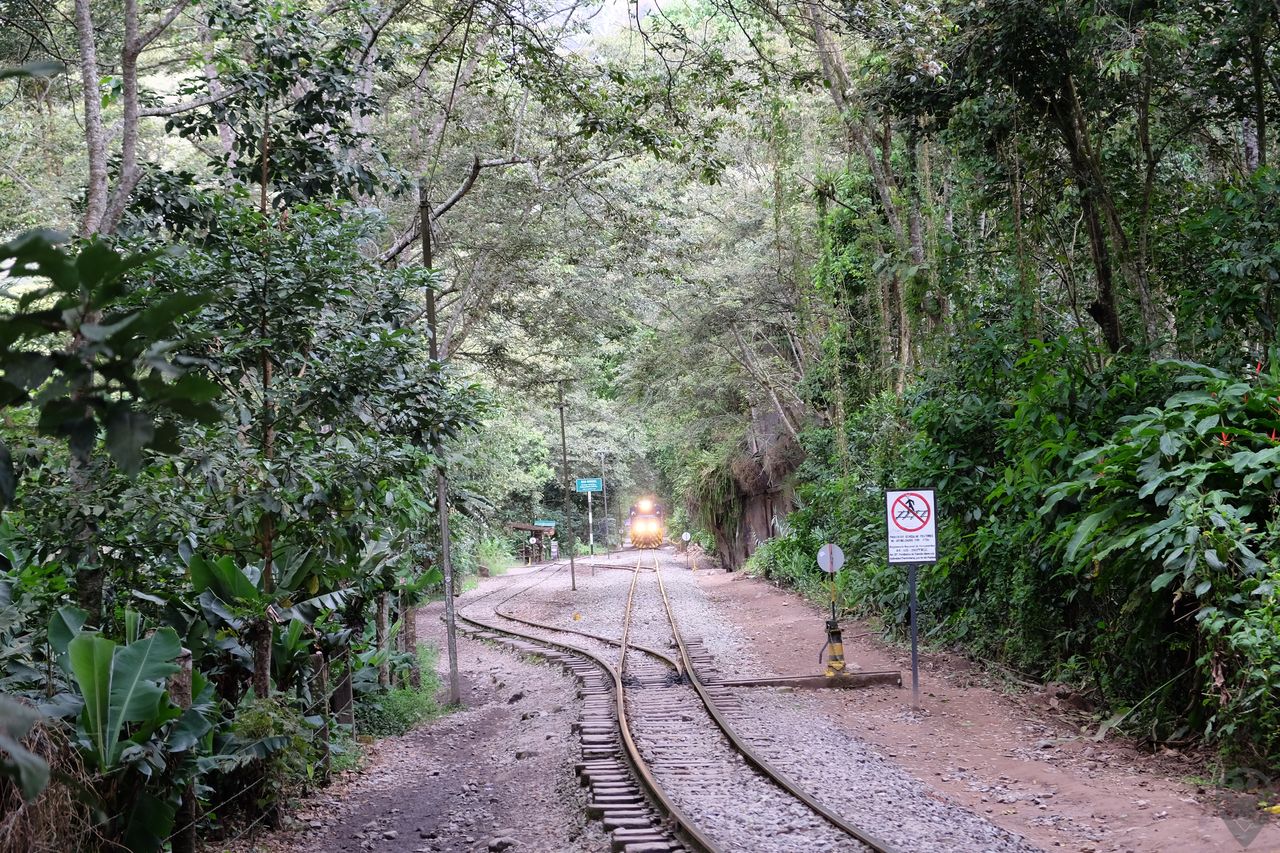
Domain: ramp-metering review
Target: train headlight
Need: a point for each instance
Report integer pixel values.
(645, 505)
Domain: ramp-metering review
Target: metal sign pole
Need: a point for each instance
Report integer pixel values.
(604, 496)
(591, 530)
(915, 652)
(911, 526)
(568, 513)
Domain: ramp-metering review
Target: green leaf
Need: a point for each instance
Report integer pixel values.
(120, 685)
(224, 579)
(1207, 424)
(128, 432)
(1211, 557)
(1170, 443)
(1162, 581)
(64, 626)
(90, 657)
(149, 823)
(1084, 531)
(29, 770)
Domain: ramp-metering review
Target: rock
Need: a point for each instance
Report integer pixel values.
(522, 754)
(390, 834)
(515, 697)
(497, 845)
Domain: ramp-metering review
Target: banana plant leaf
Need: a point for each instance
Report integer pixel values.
(64, 626)
(29, 770)
(120, 685)
(224, 579)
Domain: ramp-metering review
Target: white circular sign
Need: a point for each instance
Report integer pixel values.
(533, 540)
(686, 536)
(830, 558)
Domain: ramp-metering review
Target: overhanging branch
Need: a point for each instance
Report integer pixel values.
(469, 180)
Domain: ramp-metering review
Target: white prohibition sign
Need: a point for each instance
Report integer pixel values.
(830, 558)
(912, 525)
(911, 512)
(533, 540)
(686, 536)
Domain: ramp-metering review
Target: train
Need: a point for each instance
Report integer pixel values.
(647, 523)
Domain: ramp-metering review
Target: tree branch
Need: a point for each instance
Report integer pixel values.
(155, 32)
(415, 230)
(187, 106)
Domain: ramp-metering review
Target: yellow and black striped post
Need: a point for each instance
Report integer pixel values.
(835, 642)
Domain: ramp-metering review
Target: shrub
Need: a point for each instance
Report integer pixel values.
(396, 711)
(495, 554)
(1092, 526)
(271, 754)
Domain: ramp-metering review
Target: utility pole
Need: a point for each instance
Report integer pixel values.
(604, 496)
(568, 512)
(442, 484)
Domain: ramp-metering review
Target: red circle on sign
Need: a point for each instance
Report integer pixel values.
(907, 515)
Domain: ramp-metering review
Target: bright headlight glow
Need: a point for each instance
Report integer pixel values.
(645, 505)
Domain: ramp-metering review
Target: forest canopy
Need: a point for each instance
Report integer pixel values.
(782, 256)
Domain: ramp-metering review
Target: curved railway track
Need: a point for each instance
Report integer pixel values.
(650, 719)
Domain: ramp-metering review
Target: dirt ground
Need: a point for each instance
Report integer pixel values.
(1026, 767)
(495, 775)
(498, 774)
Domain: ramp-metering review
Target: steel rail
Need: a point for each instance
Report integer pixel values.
(746, 750)
(680, 821)
(663, 656)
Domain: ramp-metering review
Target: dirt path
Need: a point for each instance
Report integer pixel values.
(496, 775)
(1022, 766)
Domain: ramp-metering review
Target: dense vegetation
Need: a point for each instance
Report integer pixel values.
(784, 256)
(1042, 279)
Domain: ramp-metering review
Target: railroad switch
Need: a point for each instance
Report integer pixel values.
(835, 649)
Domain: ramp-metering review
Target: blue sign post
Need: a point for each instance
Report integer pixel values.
(589, 485)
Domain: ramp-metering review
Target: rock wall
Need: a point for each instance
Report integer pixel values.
(761, 477)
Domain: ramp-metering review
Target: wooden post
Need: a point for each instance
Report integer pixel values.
(442, 482)
(188, 813)
(343, 702)
(409, 635)
(320, 705)
(380, 639)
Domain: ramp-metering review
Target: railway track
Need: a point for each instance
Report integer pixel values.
(666, 769)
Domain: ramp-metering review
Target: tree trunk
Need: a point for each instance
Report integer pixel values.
(1257, 66)
(904, 338)
(225, 138)
(260, 646)
(1103, 309)
(1249, 135)
(410, 629)
(187, 813)
(95, 136)
(129, 172)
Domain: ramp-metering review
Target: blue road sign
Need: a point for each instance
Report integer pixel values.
(589, 484)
